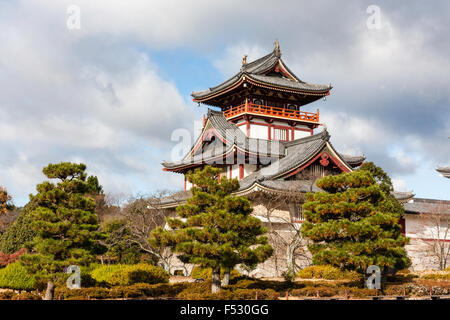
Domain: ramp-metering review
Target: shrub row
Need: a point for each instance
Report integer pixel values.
(11, 295)
(327, 272)
(238, 294)
(206, 273)
(125, 275)
(437, 276)
(140, 290)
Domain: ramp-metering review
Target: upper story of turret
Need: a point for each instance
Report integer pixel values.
(266, 99)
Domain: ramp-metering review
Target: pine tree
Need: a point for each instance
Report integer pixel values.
(65, 222)
(354, 224)
(215, 229)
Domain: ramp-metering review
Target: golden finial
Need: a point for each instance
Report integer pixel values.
(277, 48)
(244, 60)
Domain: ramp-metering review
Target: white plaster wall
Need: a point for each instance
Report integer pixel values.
(301, 134)
(235, 171)
(423, 232)
(258, 131)
(243, 129)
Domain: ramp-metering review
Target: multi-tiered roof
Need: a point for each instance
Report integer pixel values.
(263, 76)
(266, 165)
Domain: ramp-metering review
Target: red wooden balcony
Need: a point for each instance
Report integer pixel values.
(276, 112)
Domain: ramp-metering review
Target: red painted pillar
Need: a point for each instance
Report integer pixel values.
(269, 131)
(292, 133)
(248, 128)
(241, 171)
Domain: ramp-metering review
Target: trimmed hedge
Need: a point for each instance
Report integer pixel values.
(278, 286)
(11, 295)
(327, 272)
(437, 276)
(206, 273)
(202, 291)
(126, 275)
(140, 290)
(15, 276)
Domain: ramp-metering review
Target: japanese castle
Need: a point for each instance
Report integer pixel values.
(257, 130)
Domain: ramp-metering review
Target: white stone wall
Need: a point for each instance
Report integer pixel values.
(423, 233)
(258, 131)
(301, 134)
(418, 250)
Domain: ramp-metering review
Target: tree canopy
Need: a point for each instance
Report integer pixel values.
(64, 221)
(354, 224)
(215, 229)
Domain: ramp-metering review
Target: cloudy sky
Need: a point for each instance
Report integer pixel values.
(112, 92)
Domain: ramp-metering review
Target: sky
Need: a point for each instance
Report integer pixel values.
(108, 83)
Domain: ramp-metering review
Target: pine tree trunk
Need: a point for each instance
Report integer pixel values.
(226, 278)
(290, 263)
(49, 291)
(215, 284)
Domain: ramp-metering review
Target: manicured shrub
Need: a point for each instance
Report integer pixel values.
(357, 292)
(437, 276)
(227, 294)
(278, 286)
(15, 276)
(313, 291)
(11, 295)
(327, 272)
(205, 273)
(139, 290)
(114, 275)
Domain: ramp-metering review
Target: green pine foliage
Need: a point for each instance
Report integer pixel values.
(18, 233)
(64, 220)
(215, 229)
(354, 224)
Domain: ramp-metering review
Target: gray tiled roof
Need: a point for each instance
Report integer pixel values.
(234, 137)
(402, 196)
(289, 185)
(256, 70)
(424, 206)
(445, 171)
(353, 160)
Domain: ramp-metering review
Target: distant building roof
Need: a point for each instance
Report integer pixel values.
(424, 206)
(445, 171)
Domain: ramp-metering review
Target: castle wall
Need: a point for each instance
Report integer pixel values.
(282, 231)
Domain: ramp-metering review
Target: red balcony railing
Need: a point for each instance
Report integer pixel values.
(250, 108)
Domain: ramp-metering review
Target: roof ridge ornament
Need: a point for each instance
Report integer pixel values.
(277, 48)
(244, 60)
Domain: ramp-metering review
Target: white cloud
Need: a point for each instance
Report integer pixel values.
(93, 94)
